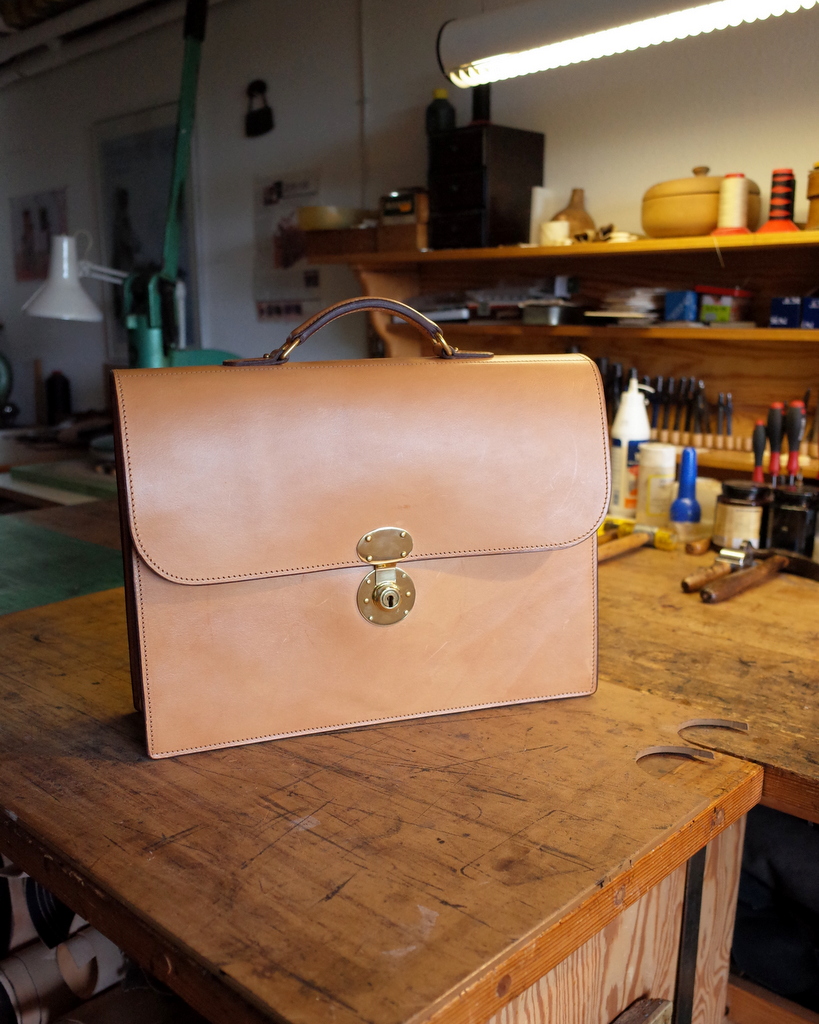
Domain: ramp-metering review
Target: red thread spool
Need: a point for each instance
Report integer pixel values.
(780, 217)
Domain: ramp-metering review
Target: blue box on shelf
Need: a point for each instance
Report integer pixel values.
(786, 311)
(682, 306)
(810, 313)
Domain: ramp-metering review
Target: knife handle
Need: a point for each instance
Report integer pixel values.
(701, 577)
(743, 580)
(621, 545)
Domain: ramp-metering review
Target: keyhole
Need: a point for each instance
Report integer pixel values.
(388, 597)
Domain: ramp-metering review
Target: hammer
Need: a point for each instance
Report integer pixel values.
(727, 561)
(738, 570)
(638, 537)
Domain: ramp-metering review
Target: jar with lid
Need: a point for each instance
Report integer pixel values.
(739, 513)
(790, 522)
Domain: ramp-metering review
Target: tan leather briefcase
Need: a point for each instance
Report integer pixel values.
(317, 546)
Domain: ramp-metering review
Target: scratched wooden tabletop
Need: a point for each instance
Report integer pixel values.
(429, 870)
(752, 659)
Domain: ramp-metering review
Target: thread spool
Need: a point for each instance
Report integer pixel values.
(780, 216)
(813, 197)
(732, 218)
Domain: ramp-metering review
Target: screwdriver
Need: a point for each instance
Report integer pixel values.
(729, 420)
(775, 438)
(760, 437)
(681, 392)
(656, 402)
(667, 400)
(689, 411)
(616, 384)
(795, 427)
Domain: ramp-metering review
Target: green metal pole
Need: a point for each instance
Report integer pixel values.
(195, 20)
(145, 328)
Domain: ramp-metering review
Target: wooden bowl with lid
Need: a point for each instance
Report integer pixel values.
(690, 206)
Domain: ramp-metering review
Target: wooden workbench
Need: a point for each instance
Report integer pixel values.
(751, 659)
(443, 869)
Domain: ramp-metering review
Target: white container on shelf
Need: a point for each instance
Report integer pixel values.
(655, 482)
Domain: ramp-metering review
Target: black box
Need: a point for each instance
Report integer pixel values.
(480, 185)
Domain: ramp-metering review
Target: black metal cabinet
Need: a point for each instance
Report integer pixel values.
(480, 185)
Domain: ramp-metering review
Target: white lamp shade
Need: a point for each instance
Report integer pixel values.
(62, 297)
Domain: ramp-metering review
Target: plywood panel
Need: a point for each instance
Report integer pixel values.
(723, 862)
(752, 1004)
(633, 956)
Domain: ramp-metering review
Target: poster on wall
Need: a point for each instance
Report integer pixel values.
(34, 219)
(135, 162)
(284, 286)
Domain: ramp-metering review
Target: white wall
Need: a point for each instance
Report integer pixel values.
(737, 100)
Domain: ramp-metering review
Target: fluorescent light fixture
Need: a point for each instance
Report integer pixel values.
(637, 35)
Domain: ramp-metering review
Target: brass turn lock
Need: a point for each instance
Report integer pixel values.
(387, 594)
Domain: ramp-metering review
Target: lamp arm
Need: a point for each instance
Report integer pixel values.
(99, 273)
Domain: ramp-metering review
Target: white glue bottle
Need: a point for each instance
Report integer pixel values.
(629, 430)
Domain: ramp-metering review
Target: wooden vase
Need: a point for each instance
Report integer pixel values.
(576, 214)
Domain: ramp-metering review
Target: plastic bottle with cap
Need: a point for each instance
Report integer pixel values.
(685, 509)
(440, 113)
(629, 430)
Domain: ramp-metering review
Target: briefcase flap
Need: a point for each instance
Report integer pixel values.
(237, 473)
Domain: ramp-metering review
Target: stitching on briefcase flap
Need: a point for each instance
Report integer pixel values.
(370, 721)
(417, 556)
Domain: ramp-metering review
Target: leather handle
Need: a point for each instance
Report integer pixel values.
(364, 304)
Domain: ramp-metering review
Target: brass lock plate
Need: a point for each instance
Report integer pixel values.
(387, 544)
(386, 595)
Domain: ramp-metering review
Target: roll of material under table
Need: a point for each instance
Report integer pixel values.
(16, 927)
(39, 985)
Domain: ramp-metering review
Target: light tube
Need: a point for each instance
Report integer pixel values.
(636, 36)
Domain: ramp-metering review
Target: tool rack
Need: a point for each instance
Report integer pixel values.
(757, 365)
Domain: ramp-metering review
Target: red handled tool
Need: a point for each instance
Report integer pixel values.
(775, 438)
(760, 438)
(795, 428)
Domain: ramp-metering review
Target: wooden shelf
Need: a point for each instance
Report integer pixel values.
(642, 247)
(756, 365)
(515, 329)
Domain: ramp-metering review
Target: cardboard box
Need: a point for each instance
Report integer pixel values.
(338, 242)
(681, 306)
(786, 311)
(810, 313)
(401, 237)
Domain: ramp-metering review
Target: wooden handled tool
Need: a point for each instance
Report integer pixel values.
(707, 574)
(727, 561)
(623, 544)
(607, 536)
(699, 546)
(743, 580)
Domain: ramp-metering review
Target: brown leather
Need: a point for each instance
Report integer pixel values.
(366, 304)
(245, 496)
